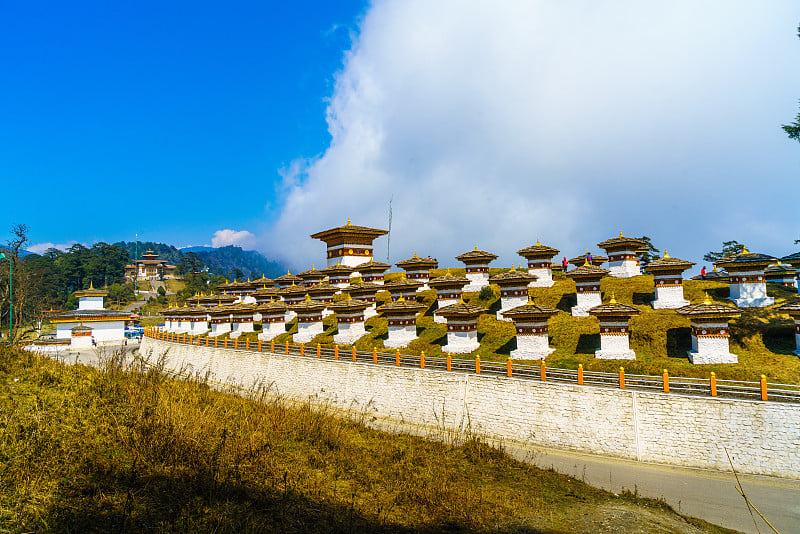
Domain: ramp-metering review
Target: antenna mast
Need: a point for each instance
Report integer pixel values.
(389, 234)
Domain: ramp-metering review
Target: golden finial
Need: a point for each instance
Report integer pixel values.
(265, 286)
(620, 233)
(415, 255)
(715, 269)
(613, 299)
(400, 299)
(448, 272)
(586, 261)
(313, 268)
(666, 254)
(476, 248)
(707, 300)
(348, 221)
(338, 262)
(744, 250)
(519, 266)
(91, 285)
(292, 283)
(288, 272)
(587, 251)
(537, 242)
(248, 279)
(349, 298)
(308, 297)
(530, 298)
(512, 267)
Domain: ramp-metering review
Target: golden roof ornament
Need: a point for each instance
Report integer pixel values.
(666, 254)
(415, 255)
(707, 300)
(476, 247)
(91, 285)
(744, 250)
(401, 299)
(512, 267)
(537, 242)
(613, 299)
(348, 222)
(308, 298)
(349, 298)
(620, 233)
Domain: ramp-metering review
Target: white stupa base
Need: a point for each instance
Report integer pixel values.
(663, 304)
(441, 303)
(614, 347)
(289, 315)
(704, 358)
(544, 278)
(586, 301)
(271, 330)
(400, 336)
(423, 287)
(307, 331)
(461, 342)
(669, 297)
(326, 313)
(751, 295)
(220, 329)
(509, 303)
(624, 269)
(533, 347)
(80, 342)
(370, 312)
(477, 281)
(761, 302)
(349, 333)
(615, 354)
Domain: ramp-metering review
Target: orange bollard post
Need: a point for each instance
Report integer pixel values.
(374, 355)
(422, 360)
(287, 348)
(216, 340)
(477, 365)
(449, 362)
(302, 349)
(354, 354)
(397, 357)
(543, 372)
(259, 345)
(763, 387)
(508, 368)
(319, 351)
(336, 352)
(580, 374)
(272, 346)
(666, 381)
(621, 378)
(713, 383)
(236, 344)
(207, 341)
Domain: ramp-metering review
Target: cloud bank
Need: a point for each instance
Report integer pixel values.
(499, 123)
(241, 238)
(41, 248)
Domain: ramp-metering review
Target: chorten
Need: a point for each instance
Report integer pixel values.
(782, 274)
(372, 271)
(350, 320)
(309, 320)
(513, 289)
(365, 291)
(587, 286)
(794, 311)
(108, 326)
(462, 326)
(747, 283)
(448, 291)
(311, 277)
(794, 261)
(287, 280)
(220, 319)
(401, 315)
(623, 261)
(338, 274)
(530, 323)
(349, 245)
(614, 331)
(323, 293)
(273, 319)
(265, 294)
(540, 263)
(242, 319)
(197, 317)
(403, 288)
(596, 259)
(668, 280)
(418, 269)
(477, 268)
(292, 295)
(710, 334)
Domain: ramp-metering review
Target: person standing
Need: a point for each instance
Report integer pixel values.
(703, 273)
(564, 264)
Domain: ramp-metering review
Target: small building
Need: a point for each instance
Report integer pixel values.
(530, 323)
(781, 274)
(149, 268)
(710, 334)
(294, 294)
(596, 259)
(477, 268)
(587, 286)
(614, 330)
(668, 280)
(418, 269)
(513, 286)
(197, 317)
(403, 288)
(273, 319)
(540, 263)
(747, 283)
(449, 290)
(462, 326)
(80, 337)
(338, 275)
(350, 320)
(365, 291)
(402, 323)
(794, 312)
(349, 245)
(323, 293)
(108, 326)
(287, 280)
(311, 277)
(309, 320)
(794, 261)
(372, 271)
(623, 259)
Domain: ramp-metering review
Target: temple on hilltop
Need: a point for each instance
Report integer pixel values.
(349, 245)
(149, 268)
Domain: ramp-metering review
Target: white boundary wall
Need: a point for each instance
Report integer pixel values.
(761, 437)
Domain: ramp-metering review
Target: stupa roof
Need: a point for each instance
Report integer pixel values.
(265, 292)
(401, 305)
(509, 277)
(416, 261)
(363, 287)
(744, 259)
(81, 328)
(667, 263)
(371, 267)
(322, 289)
(708, 309)
(792, 259)
(273, 306)
(311, 274)
(532, 310)
(587, 271)
(622, 241)
(293, 290)
(288, 278)
(597, 259)
(461, 309)
(538, 251)
(66, 316)
(781, 268)
(476, 255)
(91, 292)
(349, 229)
(349, 304)
(337, 268)
(614, 309)
(448, 280)
(308, 305)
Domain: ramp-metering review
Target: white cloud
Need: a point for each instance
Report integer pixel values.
(241, 238)
(40, 248)
(500, 123)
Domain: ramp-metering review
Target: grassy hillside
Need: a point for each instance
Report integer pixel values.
(122, 450)
(762, 338)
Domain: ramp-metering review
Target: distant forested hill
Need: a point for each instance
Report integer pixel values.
(225, 261)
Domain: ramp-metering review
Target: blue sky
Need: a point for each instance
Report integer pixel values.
(167, 119)
(488, 123)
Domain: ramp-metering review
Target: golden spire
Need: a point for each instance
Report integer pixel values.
(349, 298)
(448, 272)
(400, 299)
(288, 272)
(620, 233)
(91, 285)
(744, 250)
(530, 299)
(586, 261)
(587, 251)
(715, 269)
(613, 299)
(248, 279)
(707, 300)
(537, 242)
(415, 255)
(313, 268)
(292, 283)
(512, 267)
(476, 248)
(348, 221)
(338, 262)
(308, 297)
(666, 254)
(519, 266)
